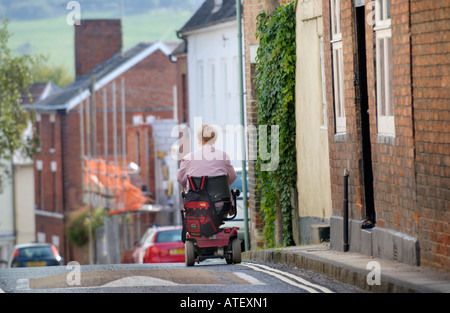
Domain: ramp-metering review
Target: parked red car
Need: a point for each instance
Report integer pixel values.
(165, 246)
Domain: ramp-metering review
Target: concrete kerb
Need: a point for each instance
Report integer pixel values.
(316, 264)
(350, 268)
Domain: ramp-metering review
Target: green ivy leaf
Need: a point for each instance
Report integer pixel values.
(275, 81)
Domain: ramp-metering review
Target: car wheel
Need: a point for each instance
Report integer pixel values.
(189, 253)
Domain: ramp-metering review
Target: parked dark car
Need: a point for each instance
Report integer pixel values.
(35, 254)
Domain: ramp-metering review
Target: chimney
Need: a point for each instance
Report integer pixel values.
(95, 42)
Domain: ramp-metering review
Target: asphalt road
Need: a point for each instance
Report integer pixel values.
(211, 276)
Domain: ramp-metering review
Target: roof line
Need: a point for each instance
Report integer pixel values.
(159, 45)
(210, 27)
(84, 92)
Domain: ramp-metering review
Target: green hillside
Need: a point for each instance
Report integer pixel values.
(55, 38)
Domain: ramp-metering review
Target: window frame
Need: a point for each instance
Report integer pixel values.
(382, 19)
(338, 67)
(200, 85)
(384, 69)
(211, 102)
(336, 29)
(339, 89)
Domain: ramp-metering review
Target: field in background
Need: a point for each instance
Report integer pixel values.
(55, 38)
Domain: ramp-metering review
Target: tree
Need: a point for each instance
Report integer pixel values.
(44, 72)
(15, 78)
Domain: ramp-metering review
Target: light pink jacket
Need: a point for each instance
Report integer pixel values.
(206, 161)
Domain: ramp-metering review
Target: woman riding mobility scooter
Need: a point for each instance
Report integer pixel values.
(207, 205)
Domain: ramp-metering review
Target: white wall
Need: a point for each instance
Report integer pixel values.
(6, 218)
(7, 206)
(24, 201)
(313, 179)
(213, 73)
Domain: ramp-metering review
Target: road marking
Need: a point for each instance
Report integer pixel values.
(303, 284)
(138, 281)
(252, 280)
(299, 279)
(280, 277)
(23, 284)
(140, 278)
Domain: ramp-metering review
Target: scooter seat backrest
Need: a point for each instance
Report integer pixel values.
(216, 186)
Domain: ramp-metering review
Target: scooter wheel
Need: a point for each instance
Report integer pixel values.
(189, 253)
(236, 249)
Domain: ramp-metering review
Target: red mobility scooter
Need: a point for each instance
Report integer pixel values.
(208, 204)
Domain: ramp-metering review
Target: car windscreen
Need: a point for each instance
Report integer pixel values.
(35, 252)
(169, 236)
(146, 236)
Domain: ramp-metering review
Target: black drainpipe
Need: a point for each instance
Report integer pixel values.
(346, 245)
(182, 37)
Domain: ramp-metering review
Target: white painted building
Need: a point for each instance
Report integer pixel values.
(213, 72)
(17, 205)
(17, 221)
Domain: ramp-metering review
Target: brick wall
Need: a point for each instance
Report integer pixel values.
(50, 152)
(149, 85)
(393, 162)
(411, 170)
(182, 89)
(95, 42)
(148, 91)
(51, 226)
(250, 11)
(138, 138)
(430, 25)
(48, 201)
(136, 143)
(343, 148)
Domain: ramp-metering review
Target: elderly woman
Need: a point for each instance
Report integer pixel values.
(206, 161)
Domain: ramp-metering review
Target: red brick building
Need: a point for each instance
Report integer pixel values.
(250, 10)
(387, 64)
(88, 118)
(386, 78)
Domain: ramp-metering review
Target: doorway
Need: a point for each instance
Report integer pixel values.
(360, 80)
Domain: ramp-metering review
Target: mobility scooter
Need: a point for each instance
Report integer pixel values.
(208, 203)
